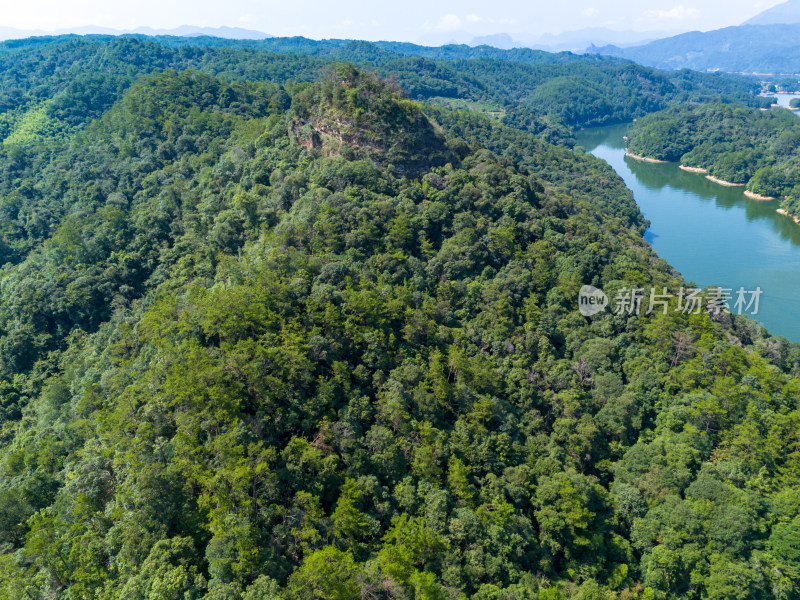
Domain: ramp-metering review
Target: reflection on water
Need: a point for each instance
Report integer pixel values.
(655, 177)
(714, 235)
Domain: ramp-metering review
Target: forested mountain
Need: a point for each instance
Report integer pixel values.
(768, 49)
(265, 339)
(734, 143)
(532, 86)
(11, 33)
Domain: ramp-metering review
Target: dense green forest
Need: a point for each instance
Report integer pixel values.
(264, 338)
(734, 143)
(537, 90)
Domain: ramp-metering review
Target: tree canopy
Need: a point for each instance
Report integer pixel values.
(280, 340)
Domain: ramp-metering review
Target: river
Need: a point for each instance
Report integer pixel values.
(712, 234)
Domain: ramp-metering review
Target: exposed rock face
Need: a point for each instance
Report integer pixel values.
(358, 115)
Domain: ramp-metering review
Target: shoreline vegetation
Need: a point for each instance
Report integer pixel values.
(759, 150)
(643, 158)
(717, 180)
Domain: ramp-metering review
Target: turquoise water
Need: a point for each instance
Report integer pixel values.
(712, 234)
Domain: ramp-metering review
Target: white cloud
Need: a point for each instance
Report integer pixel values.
(448, 22)
(473, 18)
(590, 12)
(677, 13)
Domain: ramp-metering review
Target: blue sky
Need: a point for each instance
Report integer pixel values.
(409, 20)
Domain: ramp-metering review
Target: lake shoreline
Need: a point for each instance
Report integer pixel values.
(786, 213)
(647, 159)
(723, 182)
(702, 171)
(693, 169)
(748, 193)
(754, 196)
(711, 234)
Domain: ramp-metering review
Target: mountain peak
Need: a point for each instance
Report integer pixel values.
(497, 40)
(356, 113)
(786, 13)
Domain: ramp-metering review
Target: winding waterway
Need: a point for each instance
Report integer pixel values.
(712, 234)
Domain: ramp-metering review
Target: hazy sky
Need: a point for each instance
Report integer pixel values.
(412, 20)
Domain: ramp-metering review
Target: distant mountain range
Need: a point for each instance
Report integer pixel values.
(10, 33)
(766, 43)
(568, 41)
(744, 49)
(577, 41)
